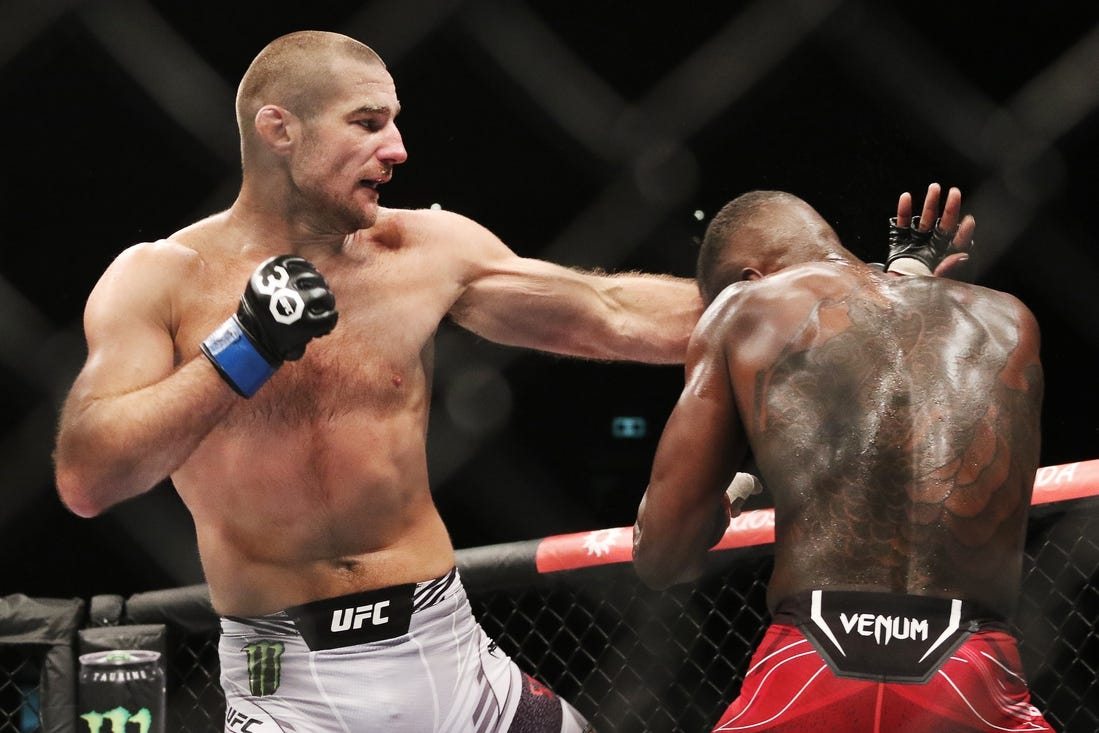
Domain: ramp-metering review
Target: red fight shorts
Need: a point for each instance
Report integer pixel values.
(818, 675)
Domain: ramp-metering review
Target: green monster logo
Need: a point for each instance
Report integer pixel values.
(264, 667)
(119, 718)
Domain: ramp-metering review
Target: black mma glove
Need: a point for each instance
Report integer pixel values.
(909, 243)
(285, 305)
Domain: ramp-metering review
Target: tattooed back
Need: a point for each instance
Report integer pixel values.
(895, 421)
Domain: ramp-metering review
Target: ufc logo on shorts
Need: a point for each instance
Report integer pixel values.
(354, 618)
(237, 721)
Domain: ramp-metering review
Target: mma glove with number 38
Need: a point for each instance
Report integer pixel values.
(285, 305)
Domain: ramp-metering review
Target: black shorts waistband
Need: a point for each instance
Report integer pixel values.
(364, 616)
(884, 636)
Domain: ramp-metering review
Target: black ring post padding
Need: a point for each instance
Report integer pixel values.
(52, 623)
(495, 567)
(187, 608)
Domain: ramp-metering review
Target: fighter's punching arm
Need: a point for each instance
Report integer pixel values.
(685, 509)
(540, 305)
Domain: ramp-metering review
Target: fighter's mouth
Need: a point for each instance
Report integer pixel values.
(375, 182)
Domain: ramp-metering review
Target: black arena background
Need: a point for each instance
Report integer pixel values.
(593, 135)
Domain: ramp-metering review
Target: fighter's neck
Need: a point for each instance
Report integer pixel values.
(268, 229)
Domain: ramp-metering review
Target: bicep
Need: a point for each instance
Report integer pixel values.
(535, 304)
(701, 447)
(127, 327)
(540, 305)
(530, 303)
(695, 460)
(497, 290)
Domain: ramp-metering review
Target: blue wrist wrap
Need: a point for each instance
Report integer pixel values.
(236, 358)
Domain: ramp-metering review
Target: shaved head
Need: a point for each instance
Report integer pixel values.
(295, 72)
(765, 231)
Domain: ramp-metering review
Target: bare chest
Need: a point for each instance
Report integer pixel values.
(377, 360)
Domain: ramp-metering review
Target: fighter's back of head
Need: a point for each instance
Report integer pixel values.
(762, 232)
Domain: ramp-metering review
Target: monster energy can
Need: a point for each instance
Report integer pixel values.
(121, 691)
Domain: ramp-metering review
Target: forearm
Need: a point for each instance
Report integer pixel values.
(669, 553)
(657, 315)
(112, 448)
(659, 572)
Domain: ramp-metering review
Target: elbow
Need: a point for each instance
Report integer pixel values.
(661, 568)
(92, 473)
(77, 491)
(649, 566)
(653, 574)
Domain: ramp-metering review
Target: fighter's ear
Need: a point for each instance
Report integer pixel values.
(275, 127)
(750, 273)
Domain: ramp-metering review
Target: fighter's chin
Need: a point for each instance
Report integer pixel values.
(368, 218)
(367, 213)
(354, 218)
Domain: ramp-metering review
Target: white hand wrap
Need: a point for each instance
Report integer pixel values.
(909, 266)
(743, 485)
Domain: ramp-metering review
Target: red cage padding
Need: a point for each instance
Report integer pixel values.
(757, 527)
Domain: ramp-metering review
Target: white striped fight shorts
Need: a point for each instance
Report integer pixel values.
(406, 658)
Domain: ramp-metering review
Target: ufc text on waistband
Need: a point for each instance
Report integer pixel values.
(357, 618)
(889, 637)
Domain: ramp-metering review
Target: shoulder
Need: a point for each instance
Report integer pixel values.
(142, 281)
(793, 288)
(1007, 302)
(462, 247)
(152, 272)
(183, 252)
(409, 226)
(161, 253)
(152, 262)
(977, 301)
(754, 318)
(996, 308)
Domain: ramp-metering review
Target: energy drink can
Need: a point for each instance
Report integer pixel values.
(121, 691)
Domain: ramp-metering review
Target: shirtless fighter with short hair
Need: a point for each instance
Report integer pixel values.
(895, 421)
(292, 420)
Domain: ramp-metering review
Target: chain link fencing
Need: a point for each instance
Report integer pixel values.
(633, 659)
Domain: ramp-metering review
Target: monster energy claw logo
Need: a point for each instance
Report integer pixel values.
(118, 719)
(264, 666)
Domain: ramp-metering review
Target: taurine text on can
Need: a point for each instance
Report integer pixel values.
(121, 691)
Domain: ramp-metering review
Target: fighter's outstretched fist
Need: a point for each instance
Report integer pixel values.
(285, 305)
